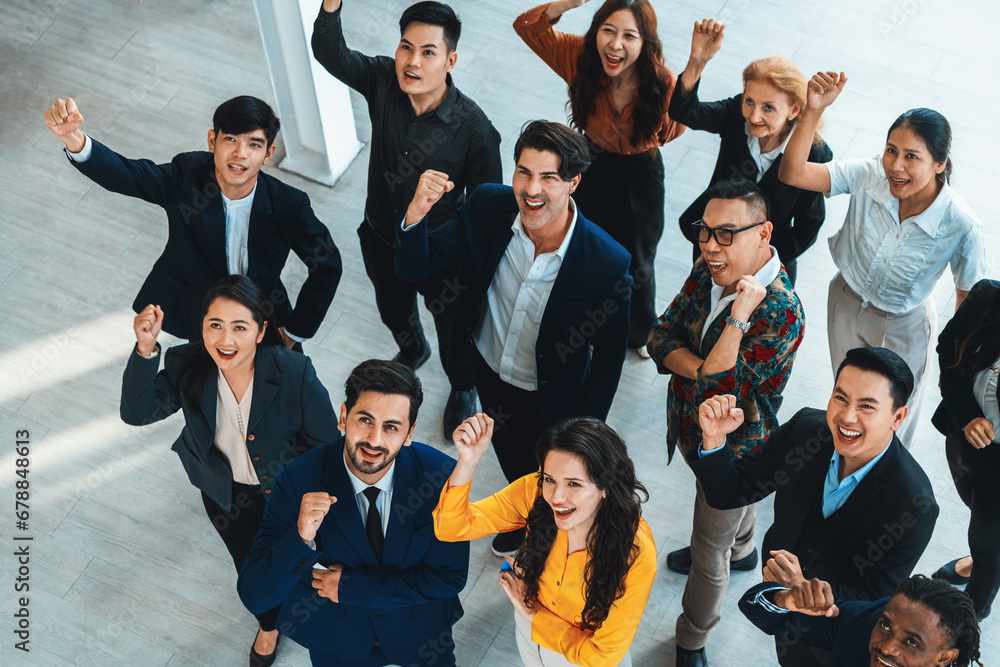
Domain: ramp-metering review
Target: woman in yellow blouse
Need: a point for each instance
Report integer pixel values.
(588, 562)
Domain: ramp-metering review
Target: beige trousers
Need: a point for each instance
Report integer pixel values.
(535, 655)
(910, 335)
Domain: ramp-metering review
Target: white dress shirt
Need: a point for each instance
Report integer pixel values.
(237, 231)
(766, 275)
(892, 264)
(763, 160)
(516, 301)
(383, 503)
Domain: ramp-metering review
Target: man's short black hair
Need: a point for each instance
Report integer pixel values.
(245, 114)
(571, 146)
(745, 191)
(886, 363)
(434, 13)
(384, 377)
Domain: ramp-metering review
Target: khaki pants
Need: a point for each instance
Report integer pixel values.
(910, 335)
(535, 655)
(717, 537)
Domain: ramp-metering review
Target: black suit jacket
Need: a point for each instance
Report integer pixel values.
(583, 334)
(194, 258)
(289, 414)
(796, 214)
(959, 405)
(407, 602)
(870, 545)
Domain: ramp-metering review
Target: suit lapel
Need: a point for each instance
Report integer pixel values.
(213, 221)
(258, 232)
(813, 477)
(209, 401)
(345, 512)
(566, 278)
(402, 516)
(498, 248)
(266, 381)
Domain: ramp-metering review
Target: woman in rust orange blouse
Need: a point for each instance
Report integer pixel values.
(619, 92)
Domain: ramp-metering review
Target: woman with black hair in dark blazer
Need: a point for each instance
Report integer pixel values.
(248, 407)
(754, 127)
(969, 417)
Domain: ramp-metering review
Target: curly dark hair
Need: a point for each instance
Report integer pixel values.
(956, 616)
(590, 79)
(611, 545)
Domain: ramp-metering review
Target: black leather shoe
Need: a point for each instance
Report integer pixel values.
(687, 658)
(414, 362)
(948, 573)
(507, 544)
(680, 561)
(460, 406)
(258, 660)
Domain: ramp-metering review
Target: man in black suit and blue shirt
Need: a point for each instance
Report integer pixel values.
(851, 505)
(225, 216)
(545, 293)
(347, 545)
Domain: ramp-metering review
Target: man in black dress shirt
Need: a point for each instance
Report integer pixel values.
(420, 121)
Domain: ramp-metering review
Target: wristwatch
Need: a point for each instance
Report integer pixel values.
(742, 326)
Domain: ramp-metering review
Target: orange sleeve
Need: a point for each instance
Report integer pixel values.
(670, 129)
(456, 519)
(559, 50)
(606, 646)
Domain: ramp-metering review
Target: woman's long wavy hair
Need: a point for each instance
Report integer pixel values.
(611, 544)
(245, 292)
(590, 79)
(974, 353)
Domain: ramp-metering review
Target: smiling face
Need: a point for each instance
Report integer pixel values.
(861, 416)
(767, 111)
(423, 60)
(908, 634)
(909, 166)
(750, 249)
(619, 43)
(542, 195)
(231, 335)
(375, 429)
(238, 159)
(569, 491)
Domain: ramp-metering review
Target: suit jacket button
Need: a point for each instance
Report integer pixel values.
(262, 477)
(379, 617)
(267, 490)
(256, 458)
(250, 437)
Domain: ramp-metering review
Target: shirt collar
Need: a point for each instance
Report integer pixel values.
(766, 275)
(930, 220)
(384, 484)
(560, 252)
(447, 107)
(858, 474)
(243, 201)
(753, 142)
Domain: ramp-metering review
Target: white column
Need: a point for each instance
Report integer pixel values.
(317, 122)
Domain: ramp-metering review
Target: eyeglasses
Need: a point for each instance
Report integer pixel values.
(723, 235)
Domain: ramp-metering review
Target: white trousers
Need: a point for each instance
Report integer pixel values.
(535, 655)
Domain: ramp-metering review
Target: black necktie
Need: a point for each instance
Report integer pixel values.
(373, 524)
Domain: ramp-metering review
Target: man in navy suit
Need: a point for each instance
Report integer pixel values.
(224, 216)
(543, 292)
(347, 543)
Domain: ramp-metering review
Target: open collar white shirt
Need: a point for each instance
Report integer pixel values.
(766, 275)
(763, 160)
(516, 301)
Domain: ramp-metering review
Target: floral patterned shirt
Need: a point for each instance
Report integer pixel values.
(762, 367)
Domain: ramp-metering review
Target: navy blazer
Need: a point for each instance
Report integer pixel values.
(194, 258)
(289, 414)
(407, 603)
(958, 404)
(583, 334)
(868, 546)
(846, 635)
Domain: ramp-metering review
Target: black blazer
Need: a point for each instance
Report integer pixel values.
(959, 405)
(796, 214)
(870, 545)
(195, 255)
(290, 413)
(584, 330)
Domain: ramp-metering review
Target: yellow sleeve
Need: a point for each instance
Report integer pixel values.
(606, 646)
(455, 519)
(559, 50)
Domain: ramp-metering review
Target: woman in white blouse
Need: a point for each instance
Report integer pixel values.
(904, 225)
(969, 417)
(248, 407)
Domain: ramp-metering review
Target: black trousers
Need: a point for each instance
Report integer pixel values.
(397, 306)
(976, 473)
(237, 527)
(624, 196)
(517, 420)
(439, 652)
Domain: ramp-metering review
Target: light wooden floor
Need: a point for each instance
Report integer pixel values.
(126, 570)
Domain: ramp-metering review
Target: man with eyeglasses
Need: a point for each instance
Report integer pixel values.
(733, 329)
